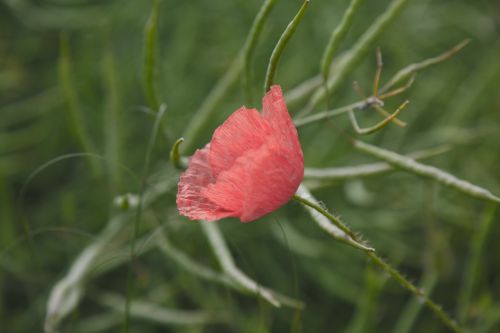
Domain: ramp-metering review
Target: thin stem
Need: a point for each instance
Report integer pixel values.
(155, 313)
(378, 126)
(367, 170)
(147, 160)
(378, 72)
(228, 266)
(338, 35)
(175, 156)
(384, 113)
(206, 273)
(473, 266)
(325, 213)
(251, 43)
(367, 303)
(411, 69)
(199, 121)
(399, 90)
(280, 46)
(150, 37)
(358, 51)
(112, 119)
(66, 293)
(326, 221)
(427, 171)
(76, 123)
(193, 267)
(395, 274)
(302, 121)
(407, 318)
(420, 294)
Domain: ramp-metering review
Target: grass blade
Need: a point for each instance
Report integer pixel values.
(280, 46)
(427, 171)
(226, 261)
(111, 119)
(150, 37)
(407, 72)
(161, 315)
(378, 261)
(75, 118)
(410, 313)
(358, 51)
(138, 217)
(326, 221)
(338, 35)
(251, 43)
(472, 269)
(199, 121)
(366, 170)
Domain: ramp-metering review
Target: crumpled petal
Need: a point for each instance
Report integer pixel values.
(245, 129)
(252, 166)
(193, 181)
(260, 181)
(277, 116)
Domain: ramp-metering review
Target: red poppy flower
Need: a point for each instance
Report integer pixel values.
(252, 166)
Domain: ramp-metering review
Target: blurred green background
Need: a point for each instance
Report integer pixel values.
(72, 79)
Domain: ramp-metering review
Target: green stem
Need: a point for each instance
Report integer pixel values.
(112, 119)
(150, 37)
(326, 221)
(394, 273)
(367, 303)
(280, 46)
(325, 213)
(411, 69)
(338, 35)
(251, 43)
(427, 171)
(366, 170)
(200, 119)
(175, 156)
(410, 313)
(420, 294)
(472, 270)
(226, 261)
(130, 281)
(76, 123)
(358, 51)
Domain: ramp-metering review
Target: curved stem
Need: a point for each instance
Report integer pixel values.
(357, 52)
(338, 35)
(427, 171)
(150, 38)
(385, 266)
(175, 156)
(250, 44)
(280, 46)
(326, 214)
(147, 160)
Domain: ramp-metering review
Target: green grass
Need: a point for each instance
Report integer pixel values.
(81, 87)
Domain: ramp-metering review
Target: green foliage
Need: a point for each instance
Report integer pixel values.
(84, 85)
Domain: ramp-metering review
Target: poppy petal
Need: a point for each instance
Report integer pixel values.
(193, 181)
(245, 129)
(276, 113)
(259, 182)
(252, 166)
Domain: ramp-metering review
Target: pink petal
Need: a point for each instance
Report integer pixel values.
(195, 179)
(252, 166)
(245, 129)
(260, 181)
(276, 113)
